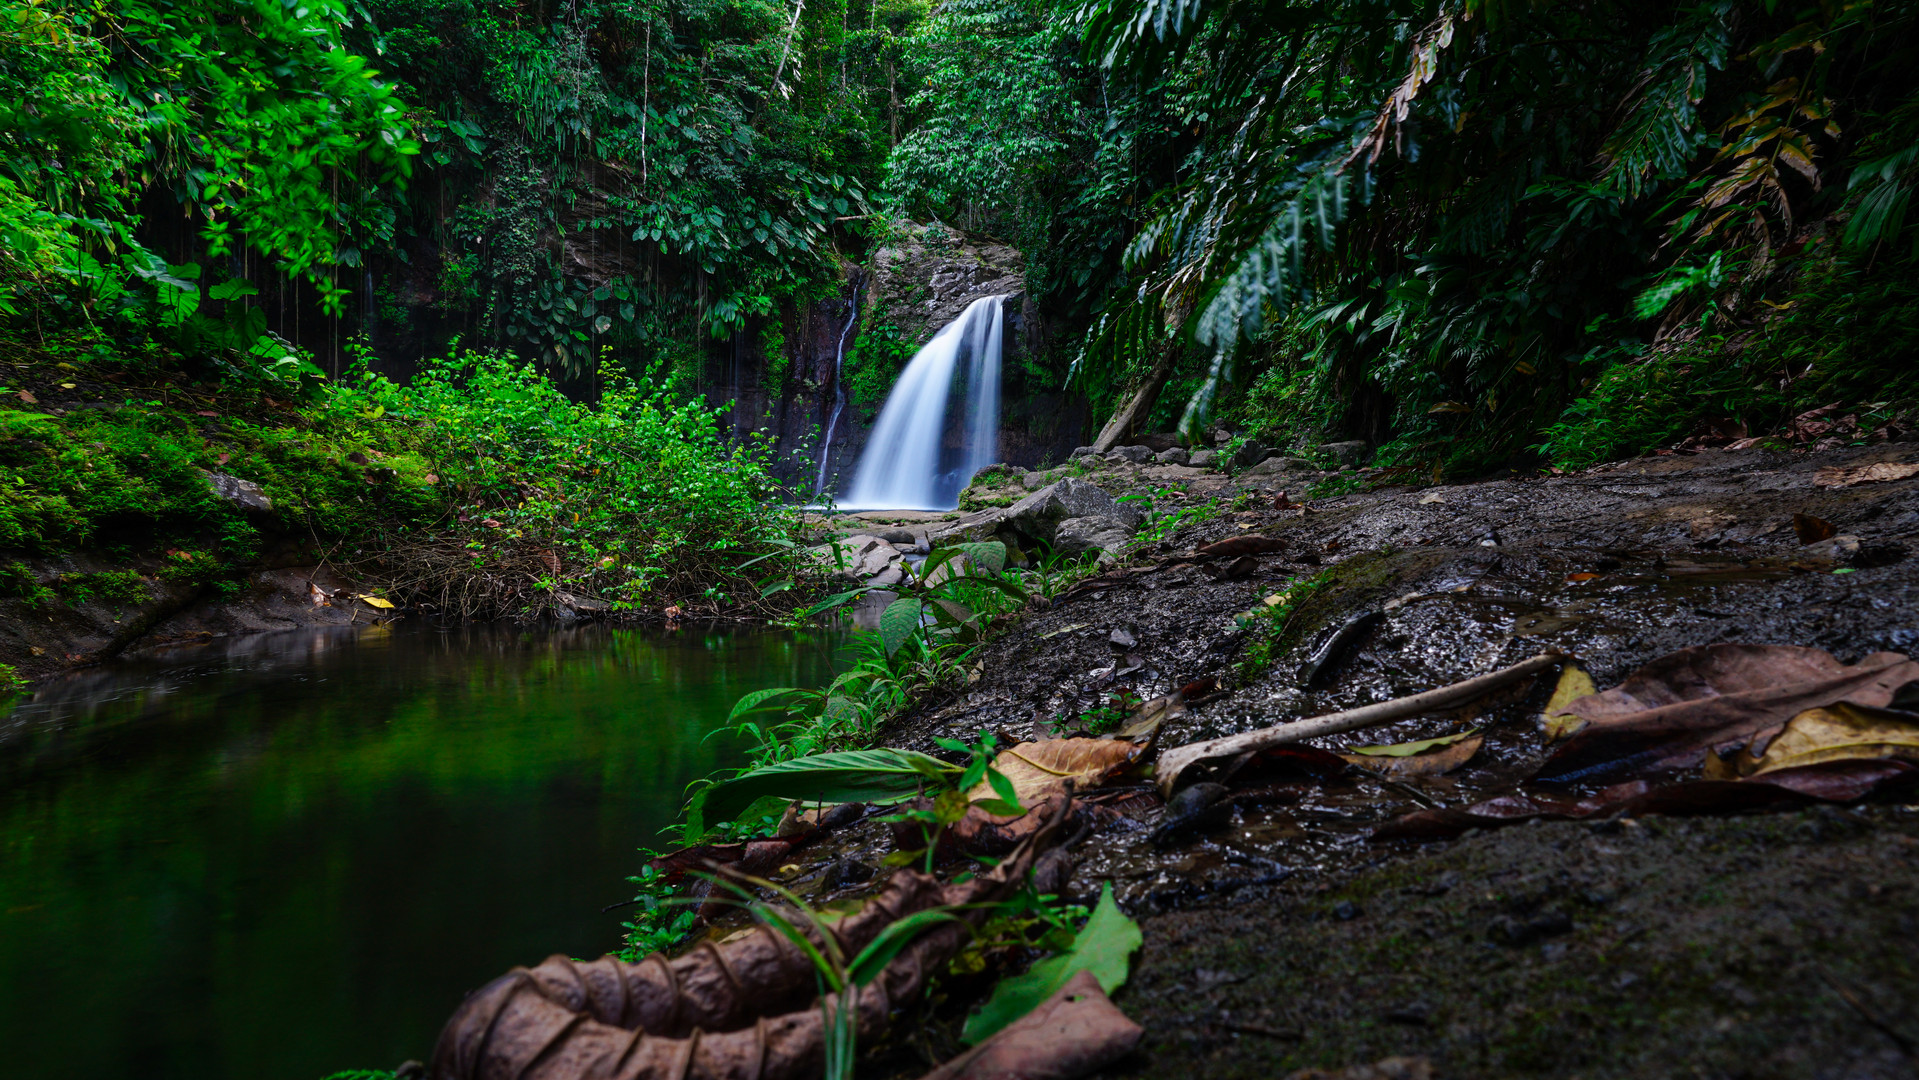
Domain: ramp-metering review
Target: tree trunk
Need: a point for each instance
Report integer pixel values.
(1137, 406)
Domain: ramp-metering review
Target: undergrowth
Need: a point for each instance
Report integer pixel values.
(479, 489)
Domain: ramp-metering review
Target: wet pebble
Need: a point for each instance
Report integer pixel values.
(1347, 911)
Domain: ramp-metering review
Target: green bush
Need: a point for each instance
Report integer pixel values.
(639, 496)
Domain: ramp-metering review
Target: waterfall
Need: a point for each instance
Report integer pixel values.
(839, 388)
(902, 467)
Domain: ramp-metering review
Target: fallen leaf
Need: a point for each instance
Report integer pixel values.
(1574, 684)
(67, 385)
(1040, 769)
(374, 601)
(1405, 760)
(1840, 732)
(490, 523)
(1811, 530)
(1835, 781)
(1076, 1031)
(1101, 949)
(1576, 578)
(1670, 712)
(205, 412)
(1147, 718)
(432, 479)
(27, 396)
(1834, 476)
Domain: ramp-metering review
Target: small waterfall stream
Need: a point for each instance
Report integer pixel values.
(839, 388)
(903, 466)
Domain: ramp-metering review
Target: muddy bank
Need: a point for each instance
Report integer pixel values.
(1772, 946)
(93, 609)
(1281, 936)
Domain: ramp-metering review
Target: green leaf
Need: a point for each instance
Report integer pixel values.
(836, 600)
(1102, 947)
(1000, 807)
(1003, 787)
(1408, 749)
(883, 775)
(753, 702)
(989, 555)
(899, 622)
(898, 935)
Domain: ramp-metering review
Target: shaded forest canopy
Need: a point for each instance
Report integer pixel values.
(1463, 231)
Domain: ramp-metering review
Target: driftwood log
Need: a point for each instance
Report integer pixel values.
(744, 1010)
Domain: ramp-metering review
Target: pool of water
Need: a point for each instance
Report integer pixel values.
(290, 854)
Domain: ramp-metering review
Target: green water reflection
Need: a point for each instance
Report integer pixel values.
(294, 853)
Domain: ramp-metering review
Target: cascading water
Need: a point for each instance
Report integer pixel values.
(839, 388)
(902, 467)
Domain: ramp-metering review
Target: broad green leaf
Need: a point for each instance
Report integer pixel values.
(883, 775)
(755, 701)
(1103, 947)
(987, 554)
(899, 622)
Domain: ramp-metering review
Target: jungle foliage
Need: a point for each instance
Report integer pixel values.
(1457, 227)
(1447, 223)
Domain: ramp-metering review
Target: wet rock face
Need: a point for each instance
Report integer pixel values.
(244, 495)
(1076, 536)
(1039, 514)
(923, 281)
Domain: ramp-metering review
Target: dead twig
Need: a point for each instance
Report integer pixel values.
(1175, 761)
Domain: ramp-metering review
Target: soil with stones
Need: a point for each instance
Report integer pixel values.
(1280, 937)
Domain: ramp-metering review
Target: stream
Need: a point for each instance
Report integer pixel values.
(287, 854)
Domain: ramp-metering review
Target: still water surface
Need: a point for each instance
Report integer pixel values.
(292, 853)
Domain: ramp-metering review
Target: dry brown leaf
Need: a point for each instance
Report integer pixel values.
(1670, 713)
(1041, 769)
(1074, 1032)
(1840, 732)
(1145, 722)
(1811, 530)
(1432, 763)
(1833, 476)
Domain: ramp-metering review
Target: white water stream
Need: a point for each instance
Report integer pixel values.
(906, 464)
(839, 389)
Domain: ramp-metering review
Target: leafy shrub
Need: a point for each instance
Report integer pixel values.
(639, 496)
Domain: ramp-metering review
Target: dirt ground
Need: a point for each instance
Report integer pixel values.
(1281, 938)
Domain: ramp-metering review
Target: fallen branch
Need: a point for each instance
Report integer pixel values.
(1175, 761)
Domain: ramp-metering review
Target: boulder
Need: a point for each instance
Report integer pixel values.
(1173, 456)
(1082, 451)
(1038, 515)
(1249, 453)
(1354, 452)
(1075, 536)
(1135, 455)
(245, 495)
(1203, 459)
(1280, 466)
(859, 557)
